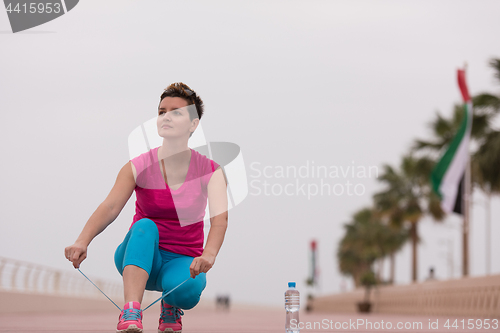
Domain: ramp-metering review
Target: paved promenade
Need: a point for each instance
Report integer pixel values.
(250, 320)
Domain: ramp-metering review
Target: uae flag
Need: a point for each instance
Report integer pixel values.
(313, 269)
(448, 177)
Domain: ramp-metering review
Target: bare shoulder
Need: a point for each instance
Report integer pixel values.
(218, 177)
(127, 173)
(134, 171)
(217, 193)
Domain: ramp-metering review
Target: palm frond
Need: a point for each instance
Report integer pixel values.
(495, 64)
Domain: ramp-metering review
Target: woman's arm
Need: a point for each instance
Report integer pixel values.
(104, 215)
(217, 204)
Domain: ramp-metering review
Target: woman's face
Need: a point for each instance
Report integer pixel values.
(173, 118)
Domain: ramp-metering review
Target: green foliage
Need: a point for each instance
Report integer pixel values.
(310, 282)
(495, 64)
(366, 239)
(486, 163)
(368, 279)
(407, 195)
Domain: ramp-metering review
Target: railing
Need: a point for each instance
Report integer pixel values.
(473, 296)
(476, 297)
(25, 277)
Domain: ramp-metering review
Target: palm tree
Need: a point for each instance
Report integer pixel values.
(486, 158)
(367, 239)
(485, 162)
(408, 197)
(393, 239)
(357, 252)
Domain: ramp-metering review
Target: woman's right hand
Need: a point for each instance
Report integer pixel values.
(76, 253)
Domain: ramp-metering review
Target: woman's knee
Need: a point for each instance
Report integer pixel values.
(138, 245)
(145, 226)
(188, 294)
(188, 303)
(119, 254)
(186, 299)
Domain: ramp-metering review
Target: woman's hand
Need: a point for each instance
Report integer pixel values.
(201, 264)
(76, 253)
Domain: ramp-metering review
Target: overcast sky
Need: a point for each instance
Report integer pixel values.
(293, 83)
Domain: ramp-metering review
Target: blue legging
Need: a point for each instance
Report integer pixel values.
(166, 269)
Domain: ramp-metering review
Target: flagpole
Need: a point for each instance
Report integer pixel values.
(451, 177)
(466, 196)
(488, 234)
(465, 271)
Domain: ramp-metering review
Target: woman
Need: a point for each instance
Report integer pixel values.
(164, 245)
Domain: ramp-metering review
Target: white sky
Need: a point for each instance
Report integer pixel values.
(337, 83)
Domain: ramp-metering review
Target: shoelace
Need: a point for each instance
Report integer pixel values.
(168, 312)
(131, 314)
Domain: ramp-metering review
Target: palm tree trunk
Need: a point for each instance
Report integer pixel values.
(356, 276)
(393, 264)
(488, 233)
(380, 269)
(414, 240)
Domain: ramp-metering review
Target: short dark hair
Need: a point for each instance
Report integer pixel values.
(179, 89)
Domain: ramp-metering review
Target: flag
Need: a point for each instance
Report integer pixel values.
(313, 270)
(448, 176)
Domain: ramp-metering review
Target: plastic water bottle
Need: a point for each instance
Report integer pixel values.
(292, 305)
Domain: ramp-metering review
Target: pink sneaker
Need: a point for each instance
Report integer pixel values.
(170, 319)
(130, 318)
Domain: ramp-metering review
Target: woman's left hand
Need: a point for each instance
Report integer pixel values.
(201, 264)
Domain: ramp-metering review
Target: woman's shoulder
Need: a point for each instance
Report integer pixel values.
(148, 154)
(145, 159)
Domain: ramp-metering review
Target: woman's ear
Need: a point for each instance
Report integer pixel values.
(194, 124)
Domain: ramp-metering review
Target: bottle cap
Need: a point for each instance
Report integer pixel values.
(291, 284)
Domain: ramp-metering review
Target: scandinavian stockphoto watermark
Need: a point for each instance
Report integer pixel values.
(24, 15)
(310, 179)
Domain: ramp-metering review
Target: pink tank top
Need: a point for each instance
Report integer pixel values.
(178, 214)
